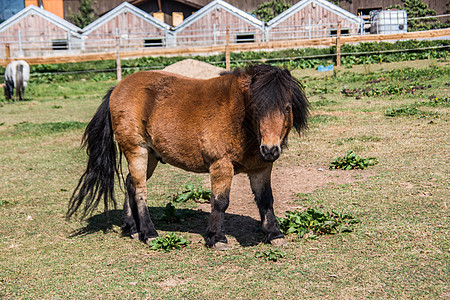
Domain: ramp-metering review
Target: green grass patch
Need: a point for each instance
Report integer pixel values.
(321, 119)
(323, 102)
(407, 111)
(363, 138)
(312, 223)
(26, 128)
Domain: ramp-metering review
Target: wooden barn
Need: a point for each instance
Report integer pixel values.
(208, 26)
(135, 29)
(36, 32)
(312, 19)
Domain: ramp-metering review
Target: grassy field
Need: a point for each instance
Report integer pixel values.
(398, 113)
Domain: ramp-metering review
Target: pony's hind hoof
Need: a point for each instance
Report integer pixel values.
(135, 236)
(219, 246)
(280, 242)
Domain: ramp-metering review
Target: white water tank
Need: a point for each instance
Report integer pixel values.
(388, 21)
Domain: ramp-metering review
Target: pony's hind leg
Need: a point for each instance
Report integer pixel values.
(221, 176)
(262, 190)
(130, 213)
(136, 215)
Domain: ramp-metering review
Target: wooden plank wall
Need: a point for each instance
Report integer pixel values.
(322, 22)
(36, 34)
(202, 30)
(132, 29)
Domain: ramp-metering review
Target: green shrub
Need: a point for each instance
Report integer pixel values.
(196, 194)
(313, 223)
(168, 242)
(352, 161)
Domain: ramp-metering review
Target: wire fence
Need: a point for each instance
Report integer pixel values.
(33, 43)
(242, 61)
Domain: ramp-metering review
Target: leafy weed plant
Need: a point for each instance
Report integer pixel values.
(435, 101)
(351, 160)
(196, 194)
(270, 255)
(312, 223)
(168, 242)
(4, 203)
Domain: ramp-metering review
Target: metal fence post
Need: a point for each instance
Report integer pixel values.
(118, 62)
(20, 44)
(69, 44)
(264, 32)
(309, 27)
(7, 51)
(165, 38)
(338, 44)
(227, 51)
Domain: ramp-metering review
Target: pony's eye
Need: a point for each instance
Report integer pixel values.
(288, 108)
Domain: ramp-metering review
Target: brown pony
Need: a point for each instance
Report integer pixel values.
(234, 123)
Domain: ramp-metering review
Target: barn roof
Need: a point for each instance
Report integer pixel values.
(34, 10)
(219, 4)
(323, 3)
(124, 7)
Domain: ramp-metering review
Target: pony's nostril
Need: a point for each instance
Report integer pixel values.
(270, 154)
(264, 150)
(276, 151)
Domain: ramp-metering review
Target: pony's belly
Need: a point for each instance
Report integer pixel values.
(187, 162)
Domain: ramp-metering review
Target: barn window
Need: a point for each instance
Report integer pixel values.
(333, 32)
(245, 38)
(60, 44)
(154, 42)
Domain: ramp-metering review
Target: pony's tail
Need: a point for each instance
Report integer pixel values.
(97, 182)
(19, 81)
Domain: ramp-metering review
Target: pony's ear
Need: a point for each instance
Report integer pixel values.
(300, 105)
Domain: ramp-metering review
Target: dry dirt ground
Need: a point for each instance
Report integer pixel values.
(287, 182)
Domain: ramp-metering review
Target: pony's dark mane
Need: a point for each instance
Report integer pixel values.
(271, 89)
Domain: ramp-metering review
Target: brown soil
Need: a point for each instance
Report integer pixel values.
(287, 183)
(194, 69)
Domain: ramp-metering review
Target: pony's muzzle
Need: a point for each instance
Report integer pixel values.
(270, 153)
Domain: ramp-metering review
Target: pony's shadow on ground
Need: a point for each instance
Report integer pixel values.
(244, 229)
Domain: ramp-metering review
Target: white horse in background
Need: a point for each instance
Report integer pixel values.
(17, 74)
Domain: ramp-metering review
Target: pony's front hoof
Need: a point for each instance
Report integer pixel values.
(135, 236)
(280, 242)
(219, 246)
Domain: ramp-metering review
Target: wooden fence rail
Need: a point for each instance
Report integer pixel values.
(287, 44)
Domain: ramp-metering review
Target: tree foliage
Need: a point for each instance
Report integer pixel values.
(417, 9)
(85, 15)
(268, 10)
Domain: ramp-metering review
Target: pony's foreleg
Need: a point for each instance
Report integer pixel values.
(262, 190)
(141, 166)
(221, 176)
